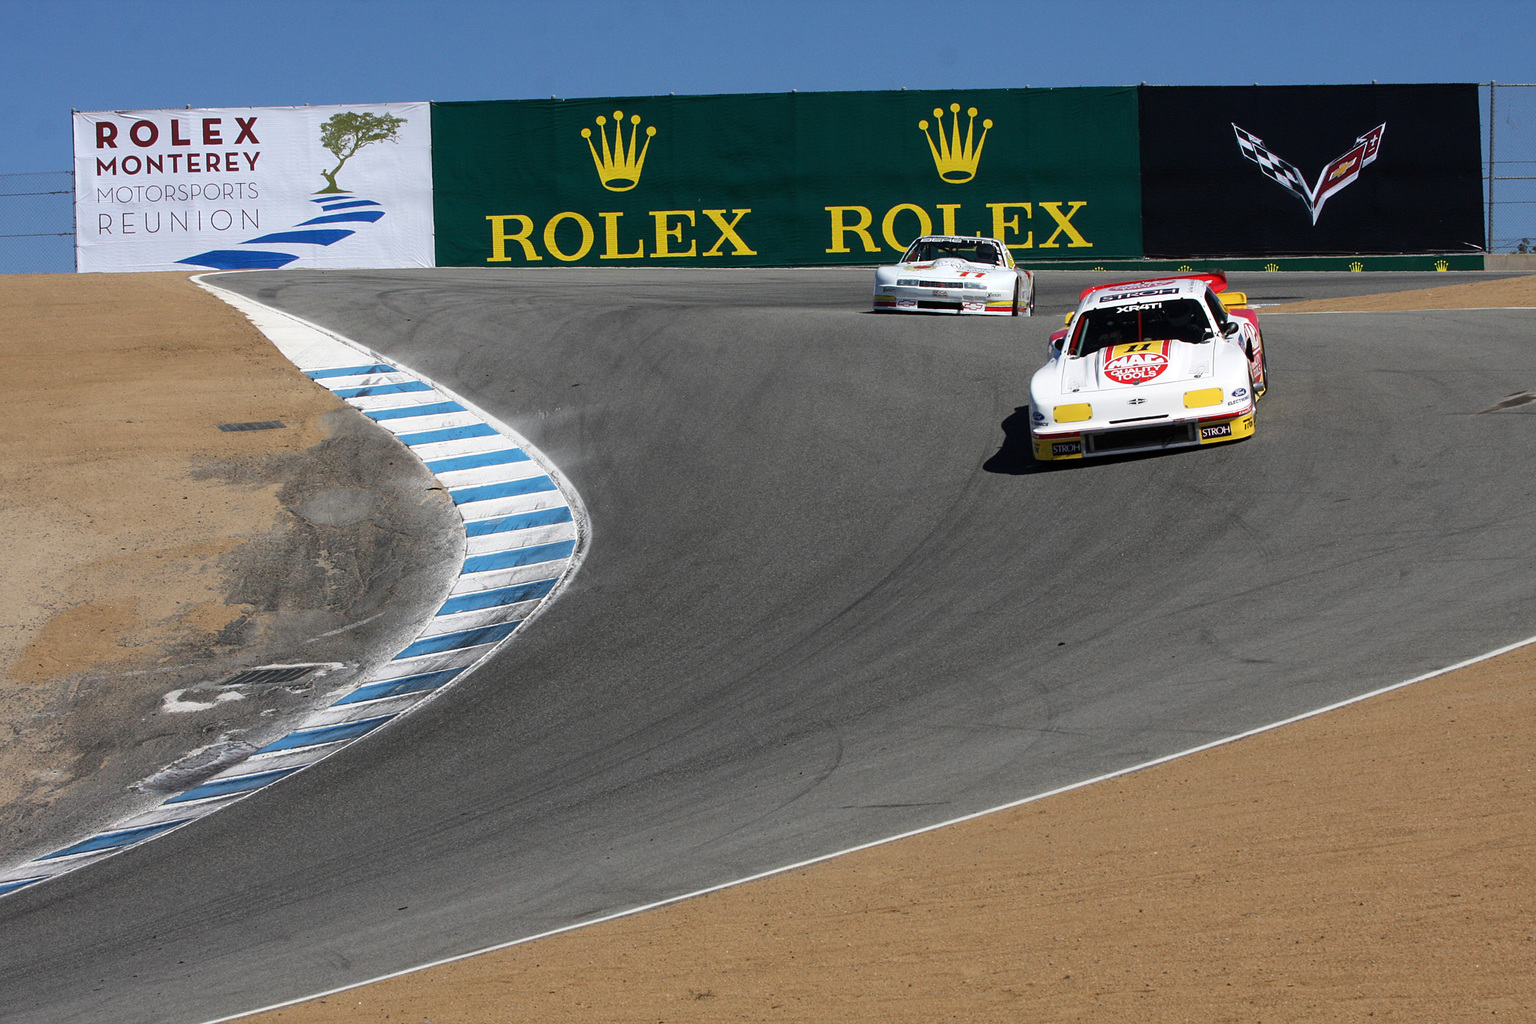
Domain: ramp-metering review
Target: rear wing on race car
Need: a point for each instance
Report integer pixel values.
(1216, 279)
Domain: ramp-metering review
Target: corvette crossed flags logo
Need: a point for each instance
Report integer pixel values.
(1334, 177)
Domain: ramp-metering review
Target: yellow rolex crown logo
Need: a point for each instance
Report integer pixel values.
(618, 169)
(956, 160)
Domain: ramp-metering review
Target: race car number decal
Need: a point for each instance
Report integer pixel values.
(1137, 363)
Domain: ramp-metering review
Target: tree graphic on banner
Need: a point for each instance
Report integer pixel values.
(345, 134)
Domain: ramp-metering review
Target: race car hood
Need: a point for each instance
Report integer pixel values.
(949, 267)
(1138, 365)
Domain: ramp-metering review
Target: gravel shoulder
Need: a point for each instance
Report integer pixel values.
(1504, 293)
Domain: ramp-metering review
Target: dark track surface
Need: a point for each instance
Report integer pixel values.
(829, 598)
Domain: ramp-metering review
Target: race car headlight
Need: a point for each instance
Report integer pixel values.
(975, 286)
(1202, 398)
(1076, 413)
(907, 282)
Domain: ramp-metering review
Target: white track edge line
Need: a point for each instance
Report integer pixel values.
(617, 915)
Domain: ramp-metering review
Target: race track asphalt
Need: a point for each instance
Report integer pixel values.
(829, 598)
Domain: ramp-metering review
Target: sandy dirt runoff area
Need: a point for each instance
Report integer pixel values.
(147, 554)
(1372, 863)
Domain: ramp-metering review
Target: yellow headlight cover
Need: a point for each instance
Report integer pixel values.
(1078, 412)
(1202, 398)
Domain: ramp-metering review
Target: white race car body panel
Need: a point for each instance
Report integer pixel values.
(1145, 366)
(955, 274)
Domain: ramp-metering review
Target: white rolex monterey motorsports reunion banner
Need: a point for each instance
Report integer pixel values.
(254, 187)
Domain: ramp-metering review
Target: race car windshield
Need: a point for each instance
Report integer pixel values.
(1172, 320)
(927, 250)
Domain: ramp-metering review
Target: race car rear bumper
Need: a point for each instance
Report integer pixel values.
(1052, 446)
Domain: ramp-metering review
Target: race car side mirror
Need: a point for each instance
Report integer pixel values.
(1230, 328)
(1053, 347)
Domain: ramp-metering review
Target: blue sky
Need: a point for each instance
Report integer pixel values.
(123, 54)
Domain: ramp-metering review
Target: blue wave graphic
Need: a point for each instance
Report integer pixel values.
(302, 234)
(323, 236)
(240, 259)
(368, 216)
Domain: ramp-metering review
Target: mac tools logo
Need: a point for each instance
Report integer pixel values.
(1136, 363)
(1334, 178)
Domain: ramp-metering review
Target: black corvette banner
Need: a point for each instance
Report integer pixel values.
(1310, 170)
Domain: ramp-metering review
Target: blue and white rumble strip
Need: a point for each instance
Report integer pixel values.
(524, 532)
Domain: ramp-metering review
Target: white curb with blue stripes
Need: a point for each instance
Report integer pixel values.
(524, 537)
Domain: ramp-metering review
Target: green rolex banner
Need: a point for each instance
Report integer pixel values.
(791, 179)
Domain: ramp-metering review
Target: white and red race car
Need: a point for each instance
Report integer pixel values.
(955, 274)
(1145, 365)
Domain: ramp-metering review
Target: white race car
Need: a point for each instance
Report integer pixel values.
(1146, 365)
(955, 274)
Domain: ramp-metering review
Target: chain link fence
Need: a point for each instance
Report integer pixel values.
(1509, 166)
(37, 223)
(37, 210)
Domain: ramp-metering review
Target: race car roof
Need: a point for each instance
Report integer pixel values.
(1184, 284)
(961, 239)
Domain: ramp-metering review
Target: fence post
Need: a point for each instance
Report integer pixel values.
(1492, 120)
